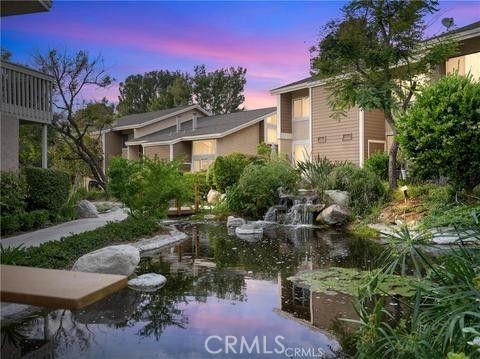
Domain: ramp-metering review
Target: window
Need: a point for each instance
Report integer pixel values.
(301, 108)
(272, 120)
(301, 152)
(204, 147)
(271, 135)
(201, 165)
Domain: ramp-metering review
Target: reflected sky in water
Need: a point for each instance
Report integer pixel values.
(217, 285)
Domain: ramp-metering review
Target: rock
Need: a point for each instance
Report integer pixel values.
(86, 209)
(249, 232)
(213, 197)
(447, 235)
(147, 282)
(342, 198)
(158, 242)
(121, 259)
(315, 207)
(222, 197)
(209, 217)
(13, 312)
(233, 222)
(333, 214)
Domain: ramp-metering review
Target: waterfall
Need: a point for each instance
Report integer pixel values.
(299, 213)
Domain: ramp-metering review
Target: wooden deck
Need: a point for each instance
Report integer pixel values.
(183, 211)
(53, 288)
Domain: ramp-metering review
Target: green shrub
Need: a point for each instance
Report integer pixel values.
(196, 178)
(47, 188)
(440, 132)
(146, 187)
(39, 217)
(264, 150)
(317, 173)
(226, 170)
(61, 254)
(378, 164)
(256, 189)
(10, 223)
(13, 192)
(365, 188)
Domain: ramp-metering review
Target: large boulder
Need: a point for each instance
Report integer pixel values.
(249, 232)
(86, 209)
(213, 196)
(333, 214)
(342, 198)
(233, 222)
(147, 282)
(121, 259)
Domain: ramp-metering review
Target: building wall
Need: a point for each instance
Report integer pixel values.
(161, 152)
(261, 131)
(285, 148)
(9, 132)
(243, 141)
(168, 122)
(328, 133)
(183, 151)
(374, 129)
(112, 147)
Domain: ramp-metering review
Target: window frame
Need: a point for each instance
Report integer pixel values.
(302, 99)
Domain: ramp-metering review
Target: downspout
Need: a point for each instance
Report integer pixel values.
(361, 135)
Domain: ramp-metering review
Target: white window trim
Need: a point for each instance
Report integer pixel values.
(376, 141)
(299, 119)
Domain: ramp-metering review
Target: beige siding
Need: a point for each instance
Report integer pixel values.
(285, 148)
(332, 130)
(161, 152)
(168, 122)
(183, 151)
(243, 141)
(9, 132)
(112, 146)
(133, 152)
(374, 128)
(286, 113)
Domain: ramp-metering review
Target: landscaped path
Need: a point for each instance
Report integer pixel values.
(54, 233)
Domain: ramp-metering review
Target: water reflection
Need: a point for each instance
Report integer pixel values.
(217, 285)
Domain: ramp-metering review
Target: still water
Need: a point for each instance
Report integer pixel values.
(233, 291)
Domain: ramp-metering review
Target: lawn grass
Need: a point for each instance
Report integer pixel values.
(62, 254)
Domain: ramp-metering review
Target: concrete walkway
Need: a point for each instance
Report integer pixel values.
(54, 233)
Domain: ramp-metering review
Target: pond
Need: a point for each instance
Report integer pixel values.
(224, 297)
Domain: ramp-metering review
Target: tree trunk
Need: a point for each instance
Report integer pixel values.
(392, 165)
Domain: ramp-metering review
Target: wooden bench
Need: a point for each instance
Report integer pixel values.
(53, 288)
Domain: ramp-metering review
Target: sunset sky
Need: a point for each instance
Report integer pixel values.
(270, 39)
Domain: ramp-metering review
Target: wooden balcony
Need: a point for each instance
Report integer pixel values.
(25, 93)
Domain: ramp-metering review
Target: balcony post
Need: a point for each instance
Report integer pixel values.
(44, 145)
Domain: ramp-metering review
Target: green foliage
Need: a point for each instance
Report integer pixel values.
(199, 179)
(257, 187)
(365, 188)
(460, 216)
(61, 254)
(147, 186)
(440, 133)
(378, 164)
(25, 221)
(13, 192)
(154, 90)
(226, 170)
(264, 150)
(47, 188)
(443, 315)
(11, 255)
(317, 173)
(219, 91)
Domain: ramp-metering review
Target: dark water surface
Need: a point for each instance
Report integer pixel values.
(218, 286)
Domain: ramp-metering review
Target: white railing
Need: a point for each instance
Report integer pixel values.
(26, 93)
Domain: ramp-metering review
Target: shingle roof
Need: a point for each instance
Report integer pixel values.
(139, 118)
(299, 82)
(207, 125)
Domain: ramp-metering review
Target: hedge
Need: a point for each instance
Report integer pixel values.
(13, 192)
(47, 188)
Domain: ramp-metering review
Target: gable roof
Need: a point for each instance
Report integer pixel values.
(464, 32)
(207, 127)
(143, 119)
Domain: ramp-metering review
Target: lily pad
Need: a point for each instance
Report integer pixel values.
(349, 281)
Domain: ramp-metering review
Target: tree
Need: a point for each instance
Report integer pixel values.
(220, 91)
(373, 56)
(155, 90)
(441, 131)
(5, 54)
(72, 74)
